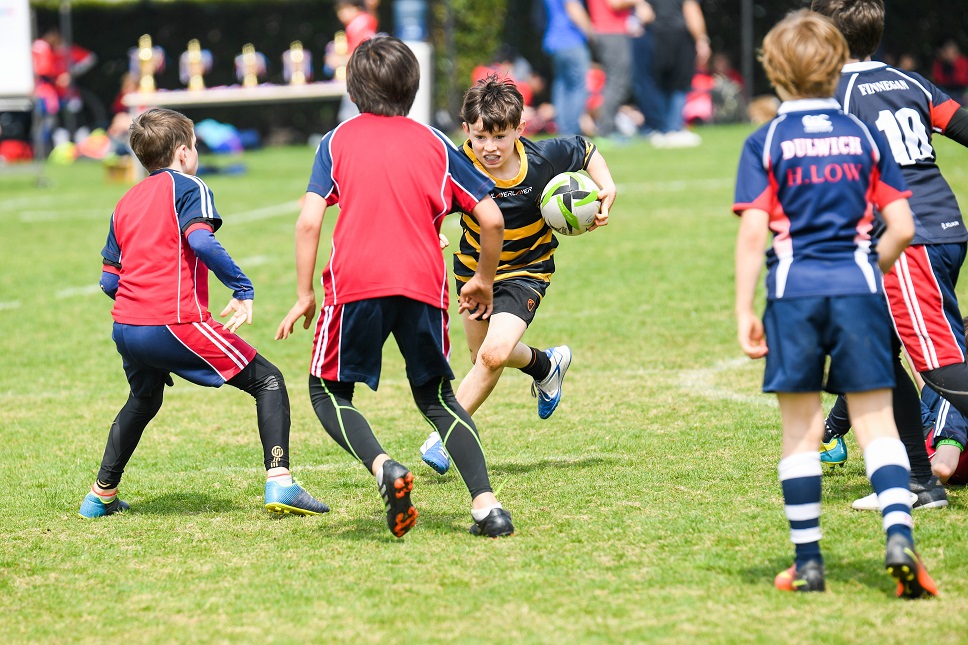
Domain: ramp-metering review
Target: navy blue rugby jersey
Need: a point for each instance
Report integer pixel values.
(529, 244)
(908, 109)
(818, 173)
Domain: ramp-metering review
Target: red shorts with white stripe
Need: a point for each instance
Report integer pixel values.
(920, 292)
(204, 353)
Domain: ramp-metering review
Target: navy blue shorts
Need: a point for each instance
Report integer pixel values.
(854, 331)
(348, 346)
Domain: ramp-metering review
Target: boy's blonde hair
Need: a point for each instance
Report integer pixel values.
(156, 134)
(803, 54)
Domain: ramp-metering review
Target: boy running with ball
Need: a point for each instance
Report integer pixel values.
(813, 176)
(520, 169)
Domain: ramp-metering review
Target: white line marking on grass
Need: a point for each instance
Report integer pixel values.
(10, 304)
(254, 261)
(702, 382)
(86, 290)
(265, 213)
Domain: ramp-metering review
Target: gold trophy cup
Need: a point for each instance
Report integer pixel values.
(146, 65)
(297, 57)
(340, 48)
(196, 66)
(250, 76)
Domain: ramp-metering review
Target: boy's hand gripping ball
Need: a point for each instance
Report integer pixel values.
(569, 203)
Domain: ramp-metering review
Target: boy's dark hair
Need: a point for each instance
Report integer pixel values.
(860, 21)
(359, 4)
(382, 76)
(156, 134)
(496, 102)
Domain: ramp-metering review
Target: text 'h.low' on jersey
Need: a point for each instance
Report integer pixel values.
(907, 109)
(394, 180)
(162, 281)
(529, 245)
(818, 173)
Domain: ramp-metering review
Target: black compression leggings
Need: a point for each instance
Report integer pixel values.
(333, 402)
(260, 378)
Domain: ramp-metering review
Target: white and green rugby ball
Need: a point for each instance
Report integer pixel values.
(569, 203)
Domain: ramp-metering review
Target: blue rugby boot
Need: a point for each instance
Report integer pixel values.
(833, 452)
(548, 390)
(434, 455)
(92, 506)
(292, 499)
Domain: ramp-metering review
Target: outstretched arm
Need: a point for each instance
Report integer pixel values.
(308, 227)
(216, 258)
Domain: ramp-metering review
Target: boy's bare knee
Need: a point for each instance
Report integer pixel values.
(492, 359)
(942, 471)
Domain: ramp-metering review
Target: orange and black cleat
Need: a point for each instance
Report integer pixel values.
(395, 486)
(903, 562)
(809, 577)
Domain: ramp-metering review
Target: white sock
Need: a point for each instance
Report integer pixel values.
(480, 513)
(281, 476)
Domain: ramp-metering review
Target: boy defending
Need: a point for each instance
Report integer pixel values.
(813, 176)
(920, 288)
(520, 169)
(395, 180)
(160, 248)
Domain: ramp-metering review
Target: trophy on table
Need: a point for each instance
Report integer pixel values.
(250, 65)
(341, 49)
(146, 60)
(297, 64)
(193, 64)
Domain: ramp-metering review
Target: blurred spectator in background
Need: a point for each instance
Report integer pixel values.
(55, 68)
(717, 93)
(680, 44)
(359, 23)
(566, 35)
(613, 21)
(950, 70)
(509, 65)
(908, 62)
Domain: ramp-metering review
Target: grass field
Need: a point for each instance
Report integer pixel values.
(647, 509)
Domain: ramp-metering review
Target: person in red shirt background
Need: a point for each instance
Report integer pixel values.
(55, 67)
(950, 70)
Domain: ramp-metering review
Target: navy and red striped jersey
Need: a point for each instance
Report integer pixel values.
(394, 179)
(161, 282)
(818, 173)
(908, 109)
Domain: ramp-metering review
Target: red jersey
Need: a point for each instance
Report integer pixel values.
(395, 179)
(162, 282)
(359, 29)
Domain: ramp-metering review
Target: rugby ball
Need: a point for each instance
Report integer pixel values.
(569, 203)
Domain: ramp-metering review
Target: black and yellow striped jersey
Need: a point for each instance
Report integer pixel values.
(529, 244)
